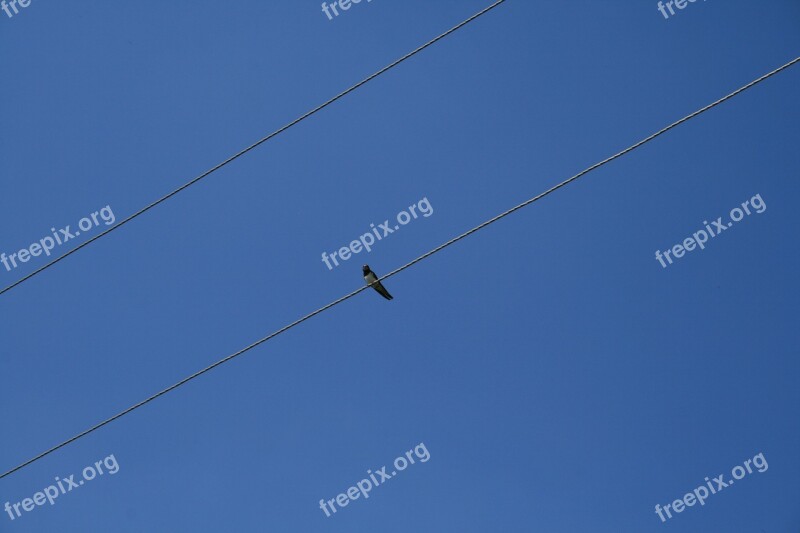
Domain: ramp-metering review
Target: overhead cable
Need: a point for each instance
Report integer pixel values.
(254, 145)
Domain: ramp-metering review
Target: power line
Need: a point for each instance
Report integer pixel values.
(593, 167)
(255, 144)
(183, 381)
(407, 265)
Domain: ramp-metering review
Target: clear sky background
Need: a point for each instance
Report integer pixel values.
(559, 377)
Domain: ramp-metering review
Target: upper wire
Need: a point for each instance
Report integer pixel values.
(254, 145)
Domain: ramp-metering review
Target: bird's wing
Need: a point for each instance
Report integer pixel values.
(382, 290)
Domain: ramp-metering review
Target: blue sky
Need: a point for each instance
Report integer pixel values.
(558, 376)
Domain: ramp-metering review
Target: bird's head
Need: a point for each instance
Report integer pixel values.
(365, 269)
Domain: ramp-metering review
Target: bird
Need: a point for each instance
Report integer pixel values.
(372, 281)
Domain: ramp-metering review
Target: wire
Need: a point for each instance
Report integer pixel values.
(407, 265)
(255, 144)
(183, 381)
(593, 167)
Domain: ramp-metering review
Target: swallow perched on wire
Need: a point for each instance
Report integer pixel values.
(372, 281)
